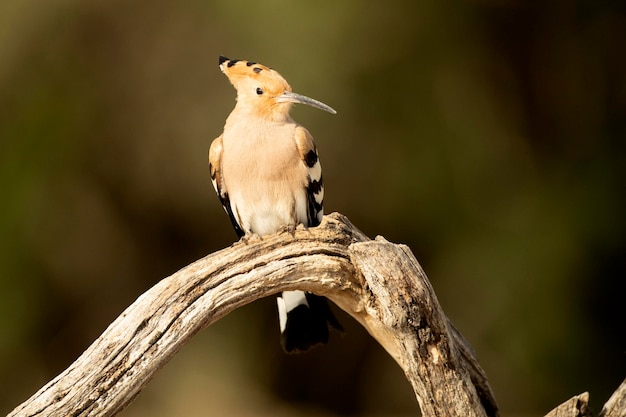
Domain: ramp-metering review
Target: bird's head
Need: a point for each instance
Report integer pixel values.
(263, 91)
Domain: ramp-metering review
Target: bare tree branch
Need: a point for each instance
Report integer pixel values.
(378, 283)
(616, 405)
(577, 406)
(404, 316)
(116, 367)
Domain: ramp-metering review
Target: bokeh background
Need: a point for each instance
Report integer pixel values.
(488, 135)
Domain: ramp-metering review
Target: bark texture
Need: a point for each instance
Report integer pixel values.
(380, 284)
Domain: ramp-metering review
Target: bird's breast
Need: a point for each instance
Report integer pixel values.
(264, 177)
(264, 152)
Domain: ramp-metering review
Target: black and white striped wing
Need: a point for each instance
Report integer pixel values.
(315, 187)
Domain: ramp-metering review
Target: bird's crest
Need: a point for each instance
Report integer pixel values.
(241, 72)
(262, 90)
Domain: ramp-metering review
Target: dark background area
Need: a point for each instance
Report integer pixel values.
(489, 136)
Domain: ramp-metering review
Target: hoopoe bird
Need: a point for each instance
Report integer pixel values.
(267, 175)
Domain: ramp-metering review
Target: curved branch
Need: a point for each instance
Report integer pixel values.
(380, 284)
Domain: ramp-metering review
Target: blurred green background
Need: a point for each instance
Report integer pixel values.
(489, 136)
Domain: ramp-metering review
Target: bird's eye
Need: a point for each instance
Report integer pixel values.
(259, 91)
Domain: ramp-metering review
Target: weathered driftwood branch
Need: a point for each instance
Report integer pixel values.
(380, 284)
(616, 405)
(577, 406)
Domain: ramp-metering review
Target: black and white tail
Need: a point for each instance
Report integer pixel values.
(304, 320)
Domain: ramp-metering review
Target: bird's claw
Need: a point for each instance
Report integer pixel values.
(290, 228)
(247, 238)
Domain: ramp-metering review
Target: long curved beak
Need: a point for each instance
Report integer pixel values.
(290, 97)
